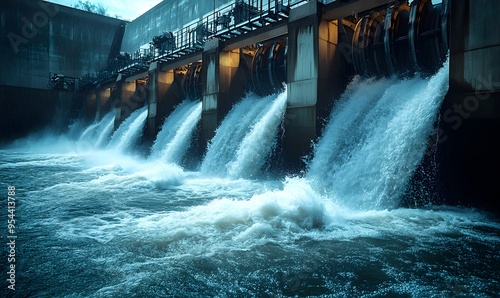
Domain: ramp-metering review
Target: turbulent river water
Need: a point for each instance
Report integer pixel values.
(97, 217)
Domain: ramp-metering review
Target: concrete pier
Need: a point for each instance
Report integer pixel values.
(314, 78)
(224, 82)
(211, 61)
(102, 102)
(470, 116)
(164, 94)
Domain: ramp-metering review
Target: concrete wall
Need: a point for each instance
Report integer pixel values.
(474, 45)
(25, 110)
(225, 80)
(168, 15)
(39, 37)
(103, 102)
(314, 80)
(164, 94)
(129, 96)
(470, 117)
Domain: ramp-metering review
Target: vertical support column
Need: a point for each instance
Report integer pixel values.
(102, 102)
(222, 86)
(124, 105)
(164, 95)
(98, 105)
(91, 105)
(314, 79)
(152, 100)
(128, 106)
(117, 104)
(470, 115)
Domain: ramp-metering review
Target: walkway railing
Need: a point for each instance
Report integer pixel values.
(235, 19)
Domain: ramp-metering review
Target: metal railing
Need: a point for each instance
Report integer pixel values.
(234, 19)
(229, 21)
(62, 82)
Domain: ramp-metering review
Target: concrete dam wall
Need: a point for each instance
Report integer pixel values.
(218, 51)
(39, 38)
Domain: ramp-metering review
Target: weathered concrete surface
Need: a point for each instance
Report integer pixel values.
(314, 77)
(225, 80)
(164, 94)
(39, 37)
(103, 102)
(129, 97)
(470, 117)
(27, 110)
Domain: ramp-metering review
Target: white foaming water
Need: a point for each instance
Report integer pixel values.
(178, 146)
(107, 130)
(104, 129)
(118, 133)
(94, 131)
(257, 145)
(291, 213)
(170, 126)
(122, 171)
(379, 128)
(233, 129)
(129, 131)
(149, 229)
(89, 132)
(376, 137)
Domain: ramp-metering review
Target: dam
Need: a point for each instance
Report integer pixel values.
(227, 49)
(252, 148)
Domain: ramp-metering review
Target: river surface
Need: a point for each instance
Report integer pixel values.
(95, 218)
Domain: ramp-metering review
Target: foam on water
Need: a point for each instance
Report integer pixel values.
(231, 132)
(175, 150)
(129, 131)
(170, 127)
(377, 136)
(281, 216)
(257, 145)
(123, 226)
(44, 142)
(106, 127)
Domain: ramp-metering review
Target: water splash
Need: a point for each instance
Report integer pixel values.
(150, 229)
(229, 135)
(376, 137)
(89, 133)
(129, 131)
(170, 126)
(178, 146)
(95, 130)
(258, 143)
(107, 130)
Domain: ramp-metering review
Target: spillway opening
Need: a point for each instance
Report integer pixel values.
(268, 71)
(128, 215)
(402, 39)
(192, 82)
